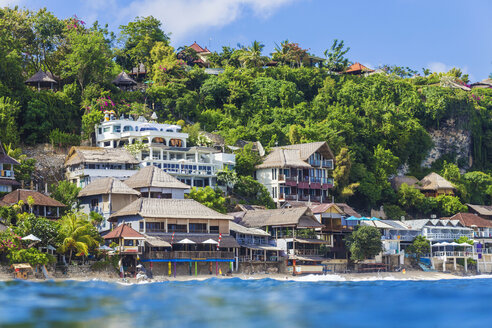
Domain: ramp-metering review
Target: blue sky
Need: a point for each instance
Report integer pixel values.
(435, 34)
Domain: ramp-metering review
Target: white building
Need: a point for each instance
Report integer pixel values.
(167, 149)
(86, 164)
(297, 172)
(7, 178)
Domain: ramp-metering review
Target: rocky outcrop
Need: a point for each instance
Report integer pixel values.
(450, 138)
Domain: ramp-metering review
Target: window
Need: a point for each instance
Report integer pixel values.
(106, 129)
(214, 229)
(155, 226)
(99, 131)
(94, 202)
(175, 142)
(107, 143)
(198, 227)
(176, 227)
(129, 242)
(141, 226)
(117, 128)
(127, 128)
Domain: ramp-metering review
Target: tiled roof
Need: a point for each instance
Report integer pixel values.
(39, 199)
(151, 176)
(295, 155)
(77, 155)
(301, 217)
(170, 209)
(107, 186)
(6, 159)
(358, 67)
(199, 49)
(321, 208)
(123, 231)
(8, 182)
(469, 220)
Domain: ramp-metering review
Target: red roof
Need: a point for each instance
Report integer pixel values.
(39, 199)
(123, 231)
(197, 48)
(469, 219)
(358, 68)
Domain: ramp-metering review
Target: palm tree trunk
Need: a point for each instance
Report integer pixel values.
(70, 258)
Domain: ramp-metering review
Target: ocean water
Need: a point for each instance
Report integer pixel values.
(248, 303)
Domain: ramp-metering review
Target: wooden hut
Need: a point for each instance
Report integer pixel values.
(42, 80)
(434, 185)
(124, 82)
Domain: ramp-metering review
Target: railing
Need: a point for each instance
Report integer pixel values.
(482, 234)
(443, 236)
(281, 177)
(305, 251)
(190, 255)
(291, 197)
(7, 173)
(327, 164)
(315, 198)
(243, 241)
(281, 196)
(303, 198)
(315, 162)
(400, 237)
(452, 253)
(129, 249)
(291, 179)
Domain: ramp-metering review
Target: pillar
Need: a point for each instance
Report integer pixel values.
(444, 265)
(466, 264)
(454, 264)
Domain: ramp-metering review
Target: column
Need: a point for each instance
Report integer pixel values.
(454, 262)
(466, 264)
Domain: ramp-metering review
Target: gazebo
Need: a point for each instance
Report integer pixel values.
(41, 80)
(124, 82)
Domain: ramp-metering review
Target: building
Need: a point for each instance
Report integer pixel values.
(86, 164)
(201, 58)
(42, 80)
(484, 211)
(358, 69)
(256, 244)
(295, 231)
(167, 149)
(7, 176)
(106, 196)
(129, 241)
(152, 182)
(433, 185)
(181, 231)
(297, 172)
(124, 82)
(487, 83)
(440, 230)
(43, 205)
(481, 227)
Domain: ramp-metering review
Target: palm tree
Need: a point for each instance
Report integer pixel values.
(281, 52)
(76, 234)
(251, 56)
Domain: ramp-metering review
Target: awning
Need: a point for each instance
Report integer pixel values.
(311, 241)
(157, 242)
(263, 247)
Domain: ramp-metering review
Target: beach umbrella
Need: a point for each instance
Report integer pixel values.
(186, 241)
(31, 237)
(211, 242)
(352, 218)
(374, 219)
(465, 244)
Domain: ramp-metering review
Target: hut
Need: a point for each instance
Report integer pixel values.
(487, 83)
(42, 80)
(434, 185)
(484, 211)
(124, 82)
(43, 205)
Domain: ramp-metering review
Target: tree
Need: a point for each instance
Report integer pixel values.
(419, 247)
(8, 126)
(251, 56)
(410, 198)
(165, 64)
(450, 205)
(66, 193)
(335, 60)
(208, 197)
(77, 235)
(365, 243)
(44, 229)
(139, 38)
(246, 160)
(341, 175)
(253, 192)
(228, 177)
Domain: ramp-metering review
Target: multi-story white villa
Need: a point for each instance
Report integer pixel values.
(7, 179)
(86, 164)
(297, 172)
(168, 150)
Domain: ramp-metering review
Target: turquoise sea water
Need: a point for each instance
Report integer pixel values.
(248, 303)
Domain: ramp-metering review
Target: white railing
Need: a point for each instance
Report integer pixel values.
(452, 254)
(447, 236)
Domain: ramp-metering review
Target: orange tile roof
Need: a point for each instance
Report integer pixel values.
(197, 48)
(358, 67)
(123, 231)
(470, 219)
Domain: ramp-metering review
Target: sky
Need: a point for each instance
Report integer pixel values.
(434, 34)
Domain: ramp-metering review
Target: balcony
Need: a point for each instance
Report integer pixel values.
(129, 249)
(315, 162)
(327, 164)
(281, 178)
(6, 174)
(447, 236)
(191, 255)
(290, 197)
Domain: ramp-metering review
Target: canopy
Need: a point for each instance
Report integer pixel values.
(352, 218)
(374, 219)
(454, 244)
(441, 244)
(51, 248)
(31, 237)
(210, 241)
(465, 244)
(105, 248)
(186, 241)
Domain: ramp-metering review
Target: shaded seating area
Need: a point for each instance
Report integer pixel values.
(42, 80)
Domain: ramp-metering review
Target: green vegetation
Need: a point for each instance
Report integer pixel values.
(364, 243)
(375, 124)
(419, 247)
(208, 197)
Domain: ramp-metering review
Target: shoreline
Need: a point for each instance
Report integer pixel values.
(341, 277)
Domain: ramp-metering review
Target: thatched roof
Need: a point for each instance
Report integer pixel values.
(411, 181)
(295, 155)
(233, 226)
(77, 155)
(487, 83)
(169, 209)
(434, 181)
(39, 199)
(485, 210)
(107, 186)
(124, 79)
(124, 231)
(6, 159)
(40, 77)
(151, 176)
(300, 217)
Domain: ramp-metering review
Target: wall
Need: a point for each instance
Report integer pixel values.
(119, 201)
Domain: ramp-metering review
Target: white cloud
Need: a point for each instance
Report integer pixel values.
(183, 18)
(9, 3)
